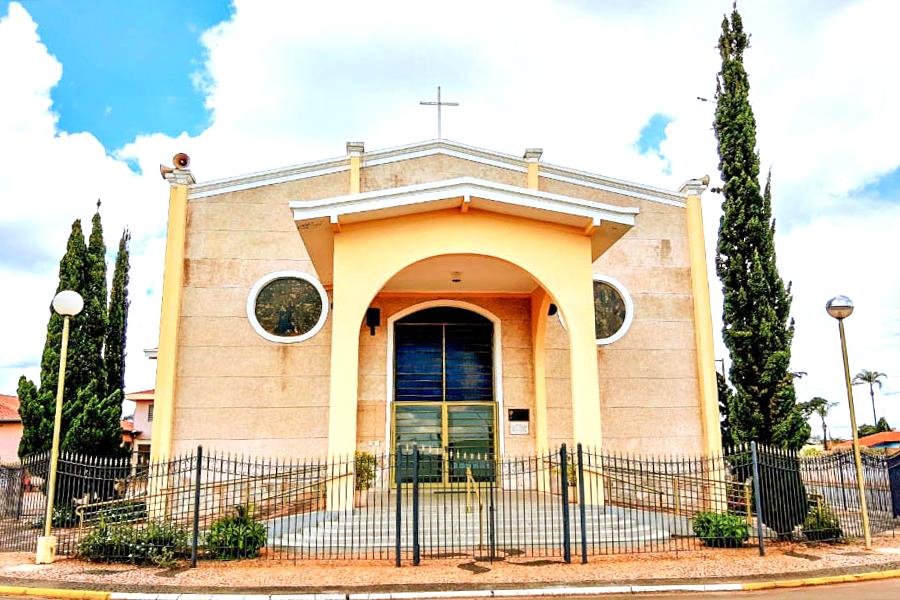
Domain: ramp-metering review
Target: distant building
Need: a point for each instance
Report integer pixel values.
(886, 440)
(141, 425)
(10, 428)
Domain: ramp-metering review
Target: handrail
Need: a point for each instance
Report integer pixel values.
(79, 511)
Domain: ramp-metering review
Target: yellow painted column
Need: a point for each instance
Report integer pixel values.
(703, 329)
(170, 314)
(355, 150)
(540, 305)
(349, 307)
(579, 315)
(532, 158)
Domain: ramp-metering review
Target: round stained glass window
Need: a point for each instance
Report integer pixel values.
(287, 306)
(612, 310)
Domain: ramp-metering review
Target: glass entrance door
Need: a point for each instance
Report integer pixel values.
(444, 390)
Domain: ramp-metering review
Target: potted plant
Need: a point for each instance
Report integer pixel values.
(364, 468)
(572, 480)
(721, 530)
(822, 524)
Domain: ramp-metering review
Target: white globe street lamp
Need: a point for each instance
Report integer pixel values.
(841, 307)
(67, 304)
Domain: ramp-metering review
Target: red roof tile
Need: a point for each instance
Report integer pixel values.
(127, 425)
(9, 409)
(872, 440)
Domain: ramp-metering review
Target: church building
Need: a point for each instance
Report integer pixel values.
(454, 297)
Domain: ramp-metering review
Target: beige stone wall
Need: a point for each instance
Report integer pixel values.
(433, 168)
(238, 392)
(649, 389)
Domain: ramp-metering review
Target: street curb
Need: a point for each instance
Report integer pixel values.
(67, 594)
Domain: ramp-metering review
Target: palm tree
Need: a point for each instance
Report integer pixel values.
(821, 408)
(870, 377)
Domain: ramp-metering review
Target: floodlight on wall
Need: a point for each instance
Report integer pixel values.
(373, 319)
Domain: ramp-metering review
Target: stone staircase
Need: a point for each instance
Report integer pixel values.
(520, 525)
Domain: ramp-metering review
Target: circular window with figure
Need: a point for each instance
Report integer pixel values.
(613, 309)
(287, 306)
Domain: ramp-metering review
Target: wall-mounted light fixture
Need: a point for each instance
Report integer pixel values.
(373, 319)
(456, 276)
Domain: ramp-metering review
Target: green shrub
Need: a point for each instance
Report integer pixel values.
(153, 543)
(64, 516)
(822, 524)
(365, 470)
(721, 530)
(236, 536)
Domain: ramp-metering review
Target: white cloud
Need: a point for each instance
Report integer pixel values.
(578, 78)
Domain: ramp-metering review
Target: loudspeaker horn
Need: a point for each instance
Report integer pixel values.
(164, 170)
(181, 160)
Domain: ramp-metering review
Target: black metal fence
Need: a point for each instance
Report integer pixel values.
(422, 503)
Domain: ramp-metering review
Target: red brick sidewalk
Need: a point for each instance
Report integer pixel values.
(261, 574)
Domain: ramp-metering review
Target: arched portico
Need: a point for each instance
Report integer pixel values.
(368, 254)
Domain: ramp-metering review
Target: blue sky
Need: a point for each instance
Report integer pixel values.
(127, 65)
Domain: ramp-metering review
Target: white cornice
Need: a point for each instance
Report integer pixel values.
(430, 148)
(464, 187)
(180, 177)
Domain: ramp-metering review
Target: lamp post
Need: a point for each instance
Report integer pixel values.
(841, 307)
(67, 304)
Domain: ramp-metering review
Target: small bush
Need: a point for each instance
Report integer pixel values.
(153, 543)
(64, 516)
(236, 536)
(822, 524)
(720, 530)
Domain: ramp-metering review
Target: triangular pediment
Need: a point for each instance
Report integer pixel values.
(435, 148)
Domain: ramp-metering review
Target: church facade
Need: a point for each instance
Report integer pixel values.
(435, 294)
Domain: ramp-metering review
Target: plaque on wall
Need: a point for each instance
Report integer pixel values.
(518, 428)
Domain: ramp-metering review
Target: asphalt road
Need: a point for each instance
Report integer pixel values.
(888, 589)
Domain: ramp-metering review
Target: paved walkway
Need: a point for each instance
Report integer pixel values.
(283, 577)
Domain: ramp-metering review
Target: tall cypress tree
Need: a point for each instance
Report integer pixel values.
(94, 417)
(90, 418)
(114, 352)
(94, 319)
(37, 407)
(758, 329)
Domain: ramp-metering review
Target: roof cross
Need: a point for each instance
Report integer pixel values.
(439, 104)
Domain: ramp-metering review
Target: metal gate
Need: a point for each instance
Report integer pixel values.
(893, 463)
